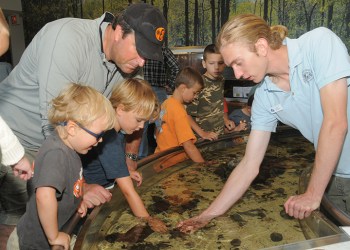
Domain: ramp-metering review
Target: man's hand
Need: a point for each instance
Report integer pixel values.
(301, 206)
(95, 195)
(193, 224)
(23, 169)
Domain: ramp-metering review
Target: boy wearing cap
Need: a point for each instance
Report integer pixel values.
(97, 53)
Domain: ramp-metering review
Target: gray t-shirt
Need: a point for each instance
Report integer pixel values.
(64, 51)
(59, 167)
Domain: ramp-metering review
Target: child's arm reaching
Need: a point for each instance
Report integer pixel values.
(136, 204)
(192, 151)
(47, 211)
(203, 134)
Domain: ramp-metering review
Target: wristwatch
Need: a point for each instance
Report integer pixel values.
(131, 156)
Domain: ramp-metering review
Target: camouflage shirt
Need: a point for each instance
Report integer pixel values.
(208, 109)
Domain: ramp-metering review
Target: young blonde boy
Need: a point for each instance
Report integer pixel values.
(80, 115)
(134, 103)
(173, 127)
(206, 114)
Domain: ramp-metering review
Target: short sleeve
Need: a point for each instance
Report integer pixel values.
(183, 128)
(328, 55)
(51, 170)
(262, 119)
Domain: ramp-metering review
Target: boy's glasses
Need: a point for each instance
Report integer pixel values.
(97, 136)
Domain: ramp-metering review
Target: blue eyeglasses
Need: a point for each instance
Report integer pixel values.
(97, 136)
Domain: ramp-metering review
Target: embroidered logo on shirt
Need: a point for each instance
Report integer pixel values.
(276, 108)
(307, 75)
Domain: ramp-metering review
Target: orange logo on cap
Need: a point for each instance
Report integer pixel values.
(160, 32)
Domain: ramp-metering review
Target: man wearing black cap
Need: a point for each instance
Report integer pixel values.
(98, 53)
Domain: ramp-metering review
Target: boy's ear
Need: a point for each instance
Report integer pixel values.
(70, 127)
(203, 64)
(120, 108)
(181, 87)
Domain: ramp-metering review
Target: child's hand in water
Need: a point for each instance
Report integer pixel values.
(156, 224)
(208, 163)
(136, 176)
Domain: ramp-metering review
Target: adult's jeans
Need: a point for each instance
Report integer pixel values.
(338, 192)
(144, 147)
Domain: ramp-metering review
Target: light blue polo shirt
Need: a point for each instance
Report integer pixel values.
(316, 59)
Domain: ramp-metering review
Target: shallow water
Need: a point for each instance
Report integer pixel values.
(257, 221)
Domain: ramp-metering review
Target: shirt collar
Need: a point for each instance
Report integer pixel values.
(294, 53)
(294, 59)
(103, 21)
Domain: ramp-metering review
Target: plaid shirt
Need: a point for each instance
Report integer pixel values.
(162, 74)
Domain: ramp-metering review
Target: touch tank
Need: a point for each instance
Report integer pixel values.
(173, 191)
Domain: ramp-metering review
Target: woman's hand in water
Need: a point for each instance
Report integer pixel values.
(193, 224)
(156, 224)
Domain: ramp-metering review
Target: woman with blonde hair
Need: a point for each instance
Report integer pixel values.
(304, 84)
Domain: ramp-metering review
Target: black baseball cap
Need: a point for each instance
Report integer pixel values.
(150, 26)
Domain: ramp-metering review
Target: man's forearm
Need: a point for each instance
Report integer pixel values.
(328, 151)
(237, 184)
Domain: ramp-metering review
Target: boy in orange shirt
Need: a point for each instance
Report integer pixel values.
(173, 127)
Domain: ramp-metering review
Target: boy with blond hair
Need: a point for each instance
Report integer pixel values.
(173, 127)
(134, 103)
(80, 115)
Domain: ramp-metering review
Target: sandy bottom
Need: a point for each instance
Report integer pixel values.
(257, 221)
